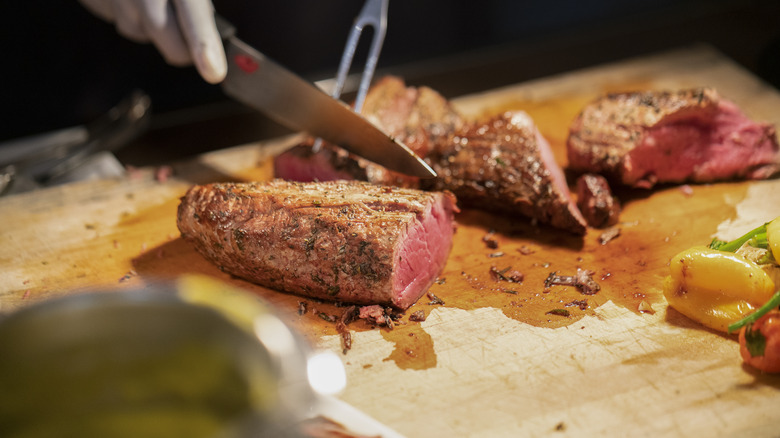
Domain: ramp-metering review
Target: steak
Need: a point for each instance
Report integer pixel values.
(505, 165)
(643, 138)
(416, 116)
(344, 241)
(330, 163)
(595, 201)
(502, 165)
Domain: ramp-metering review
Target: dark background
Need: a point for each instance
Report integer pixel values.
(62, 67)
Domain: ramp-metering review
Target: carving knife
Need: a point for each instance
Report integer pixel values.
(261, 83)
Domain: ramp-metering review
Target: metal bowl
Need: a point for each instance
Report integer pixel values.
(196, 359)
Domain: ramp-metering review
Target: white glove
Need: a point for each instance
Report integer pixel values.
(182, 30)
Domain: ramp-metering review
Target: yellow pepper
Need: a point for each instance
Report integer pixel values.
(773, 237)
(715, 287)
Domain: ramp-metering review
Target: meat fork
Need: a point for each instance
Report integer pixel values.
(374, 14)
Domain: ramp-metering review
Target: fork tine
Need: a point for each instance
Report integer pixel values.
(373, 13)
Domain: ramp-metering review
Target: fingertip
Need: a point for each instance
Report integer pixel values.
(196, 20)
(211, 64)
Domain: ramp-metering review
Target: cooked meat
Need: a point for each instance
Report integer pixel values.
(505, 165)
(376, 315)
(582, 280)
(415, 116)
(520, 177)
(342, 241)
(302, 163)
(644, 138)
(609, 235)
(331, 163)
(595, 201)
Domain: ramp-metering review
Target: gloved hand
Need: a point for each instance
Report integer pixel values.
(182, 30)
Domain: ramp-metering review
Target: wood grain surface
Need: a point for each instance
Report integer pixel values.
(491, 361)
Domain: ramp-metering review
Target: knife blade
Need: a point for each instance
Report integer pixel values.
(261, 83)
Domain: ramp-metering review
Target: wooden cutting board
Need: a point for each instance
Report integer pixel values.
(491, 361)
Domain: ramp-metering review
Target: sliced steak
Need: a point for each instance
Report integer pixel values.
(343, 241)
(595, 201)
(521, 176)
(644, 138)
(416, 116)
(505, 165)
(302, 163)
(331, 163)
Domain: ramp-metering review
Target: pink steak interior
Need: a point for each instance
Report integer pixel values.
(422, 253)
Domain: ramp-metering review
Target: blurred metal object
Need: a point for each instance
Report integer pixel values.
(374, 14)
(70, 154)
(198, 359)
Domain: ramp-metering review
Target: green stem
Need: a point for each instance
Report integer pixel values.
(761, 311)
(738, 242)
(759, 241)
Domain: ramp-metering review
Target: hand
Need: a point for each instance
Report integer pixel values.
(182, 30)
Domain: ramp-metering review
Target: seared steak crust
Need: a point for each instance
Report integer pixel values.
(342, 241)
(417, 116)
(505, 165)
(641, 138)
(595, 201)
